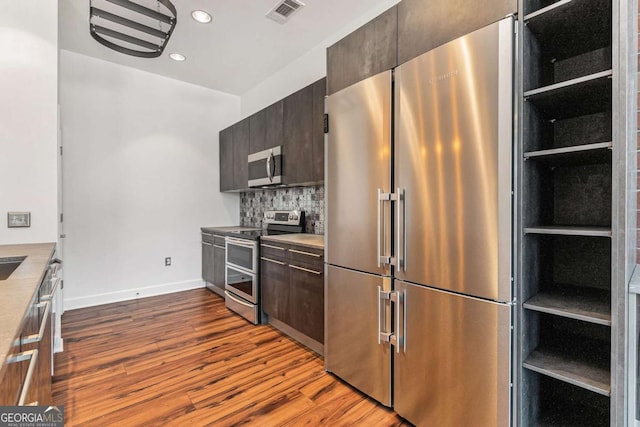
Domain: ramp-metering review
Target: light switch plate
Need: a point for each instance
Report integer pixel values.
(18, 219)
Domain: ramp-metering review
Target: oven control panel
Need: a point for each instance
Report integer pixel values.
(294, 217)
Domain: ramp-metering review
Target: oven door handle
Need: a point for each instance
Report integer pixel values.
(242, 242)
(231, 297)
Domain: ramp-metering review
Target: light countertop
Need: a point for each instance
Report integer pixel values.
(17, 292)
(302, 239)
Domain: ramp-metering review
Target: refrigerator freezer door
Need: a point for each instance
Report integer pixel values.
(358, 165)
(453, 155)
(352, 321)
(454, 368)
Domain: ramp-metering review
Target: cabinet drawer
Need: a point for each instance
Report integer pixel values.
(207, 237)
(309, 257)
(213, 239)
(273, 251)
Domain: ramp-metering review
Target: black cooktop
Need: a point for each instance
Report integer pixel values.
(273, 230)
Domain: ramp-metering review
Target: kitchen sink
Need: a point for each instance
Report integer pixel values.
(9, 265)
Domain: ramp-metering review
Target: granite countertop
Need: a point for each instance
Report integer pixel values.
(310, 240)
(17, 292)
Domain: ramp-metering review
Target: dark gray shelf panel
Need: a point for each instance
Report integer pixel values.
(572, 98)
(573, 155)
(570, 231)
(577, 372)
(580, 303)
(569, 28)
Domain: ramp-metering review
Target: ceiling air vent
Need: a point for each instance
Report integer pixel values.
(284, 10)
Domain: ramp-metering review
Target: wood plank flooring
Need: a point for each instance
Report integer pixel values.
(184, 359)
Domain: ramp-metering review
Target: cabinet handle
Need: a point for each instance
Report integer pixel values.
(49, 297)
(43, 324)
(273, 247)
(207, 234)
(305, 269)
(219, 247)
(208, 244)
(32, 357)
(304, 253)
(272, 260)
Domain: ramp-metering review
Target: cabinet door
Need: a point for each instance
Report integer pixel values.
(298, 142)
(307, 300)
(31, 328)
(369, 50)
(44, 357)
(226, 159)
(319, 92)
(208, 267)
(275, 289)
(10, 384)
(219, 260)
(241, 136)
(257, 131)
(274, 120)
(426, 24)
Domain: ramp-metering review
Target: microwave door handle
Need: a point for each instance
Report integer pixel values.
(270, 171)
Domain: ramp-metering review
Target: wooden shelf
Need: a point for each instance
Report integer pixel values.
(570, 231)
(569, 28)
(577, 372)
(572, 98)
(573, 155)
(575, 302)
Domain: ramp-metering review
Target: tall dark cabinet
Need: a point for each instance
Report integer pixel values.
(567, 356)
(369, 50)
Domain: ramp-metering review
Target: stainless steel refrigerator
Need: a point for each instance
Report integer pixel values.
(419, 226)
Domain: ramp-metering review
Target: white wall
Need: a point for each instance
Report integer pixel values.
(140, 177)
(28, 118)
(305, 70)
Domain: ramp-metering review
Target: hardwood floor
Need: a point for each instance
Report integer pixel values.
(184, 359)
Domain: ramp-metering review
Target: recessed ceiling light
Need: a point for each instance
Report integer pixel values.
(177, 57)
(201, 16)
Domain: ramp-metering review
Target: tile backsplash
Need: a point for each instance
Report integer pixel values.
(308, 199)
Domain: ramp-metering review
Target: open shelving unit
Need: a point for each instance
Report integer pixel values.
(566, 195)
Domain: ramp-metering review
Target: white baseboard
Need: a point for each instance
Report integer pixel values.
(58, 345)
(131, 294)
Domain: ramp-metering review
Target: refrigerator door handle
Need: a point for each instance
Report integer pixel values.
(384, 259)
(383, 297)
(398, 338)
(401, 254)
(378, 255)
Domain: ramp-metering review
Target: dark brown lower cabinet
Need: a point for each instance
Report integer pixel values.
(292, 282)
(219, 261)
(275, 289)
(307, 300)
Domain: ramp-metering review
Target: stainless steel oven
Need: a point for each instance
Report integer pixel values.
(242, 279)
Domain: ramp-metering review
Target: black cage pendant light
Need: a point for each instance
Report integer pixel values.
(139, 28)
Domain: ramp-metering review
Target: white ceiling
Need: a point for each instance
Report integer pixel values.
(237, 50)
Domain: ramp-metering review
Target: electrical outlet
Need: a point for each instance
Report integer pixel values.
(167, 261)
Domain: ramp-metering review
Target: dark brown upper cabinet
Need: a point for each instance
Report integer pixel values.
(366, 52)
(266, 128)
(296, 123)
(319, 93)
(240, 155)
(298, 137)
(426, 24)
(226, 160)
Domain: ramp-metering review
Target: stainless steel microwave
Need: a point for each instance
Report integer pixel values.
(265, 167)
